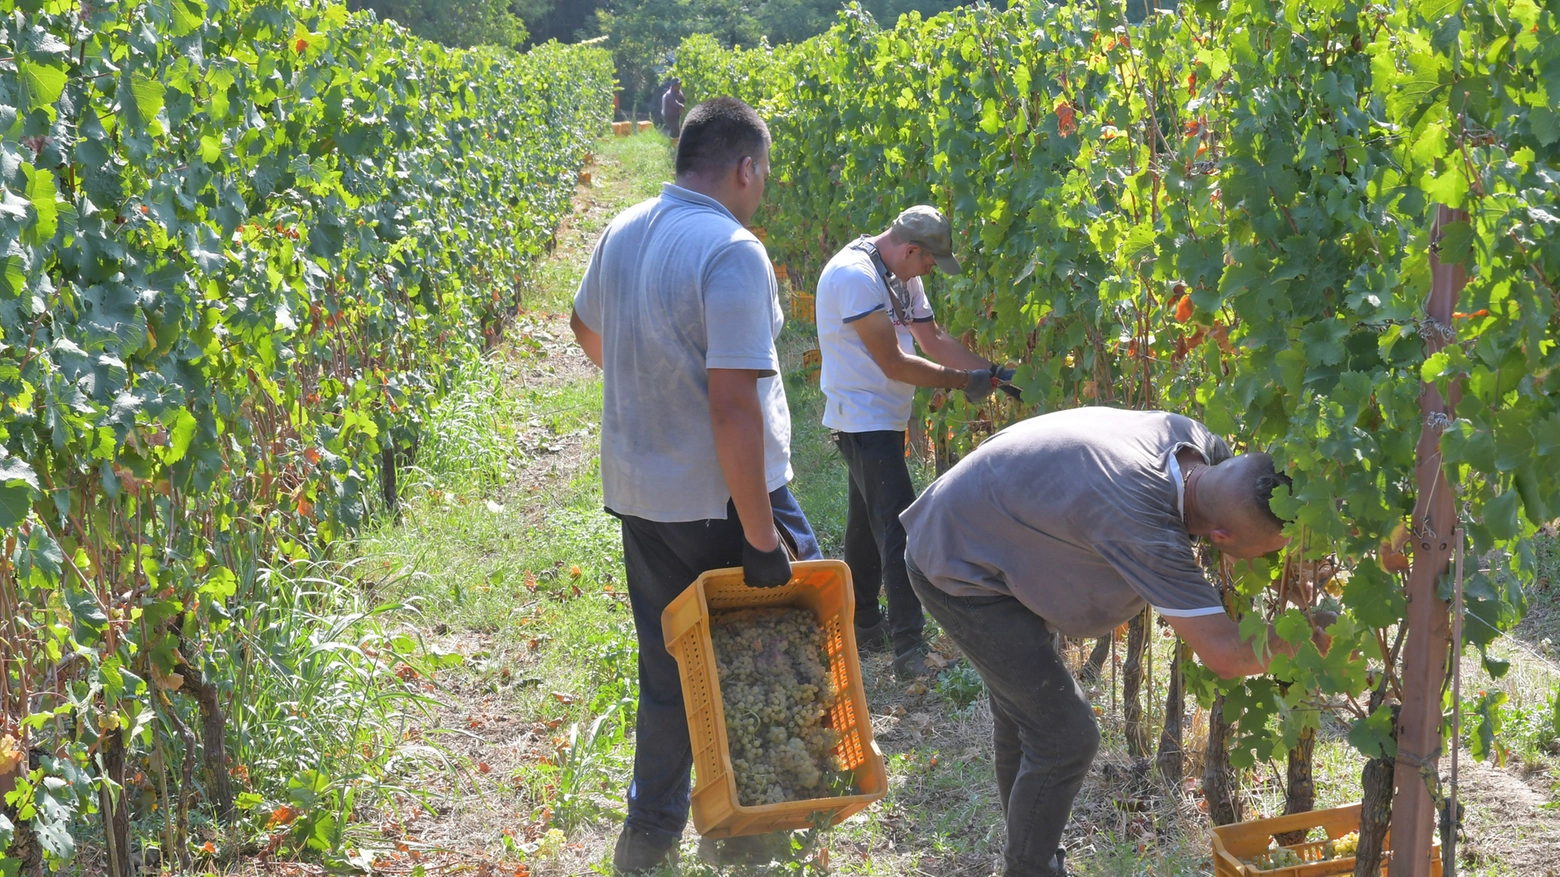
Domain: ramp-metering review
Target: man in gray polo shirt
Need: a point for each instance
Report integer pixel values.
(680, 308)
(1070, 522)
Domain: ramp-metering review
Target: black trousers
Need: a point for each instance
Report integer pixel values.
(1042, 725)
(880, 489)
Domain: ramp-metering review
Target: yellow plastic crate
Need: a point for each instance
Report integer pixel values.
(1233, 844)
(824, 587)
(804, 307)
(812, 364)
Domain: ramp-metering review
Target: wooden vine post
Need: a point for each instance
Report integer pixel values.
(1416, 775)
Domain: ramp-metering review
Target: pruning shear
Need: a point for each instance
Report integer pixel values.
(1004, 378)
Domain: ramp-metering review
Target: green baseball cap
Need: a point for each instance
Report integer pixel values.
(926, 227)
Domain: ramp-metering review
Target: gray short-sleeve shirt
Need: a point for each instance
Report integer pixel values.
(1076, 514)
(677, 286)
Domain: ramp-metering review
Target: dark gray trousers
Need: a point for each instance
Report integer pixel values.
(880, 488)
(1043, 727)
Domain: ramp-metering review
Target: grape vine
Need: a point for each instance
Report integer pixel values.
(1226, 211)
(242, 242)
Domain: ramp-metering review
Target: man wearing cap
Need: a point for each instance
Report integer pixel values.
(872, 311)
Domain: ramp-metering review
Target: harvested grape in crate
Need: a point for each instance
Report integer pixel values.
(777, 712)
(775, 689)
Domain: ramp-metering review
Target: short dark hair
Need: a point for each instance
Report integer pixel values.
(717, 134)
(1268, 479)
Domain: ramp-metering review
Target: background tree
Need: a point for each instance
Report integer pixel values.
(567, 21)
(645, 33)
(457, 23)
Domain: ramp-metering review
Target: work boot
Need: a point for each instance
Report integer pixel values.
(874, 638)
(640, 852)
(911, 664)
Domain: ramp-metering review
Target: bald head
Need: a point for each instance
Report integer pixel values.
(1233, 505)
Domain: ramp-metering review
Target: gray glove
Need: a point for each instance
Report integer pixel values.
(765, 569)
(982, 383)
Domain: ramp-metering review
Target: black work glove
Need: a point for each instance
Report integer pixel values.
(1005, 383)
(765, 569)
(981, 384)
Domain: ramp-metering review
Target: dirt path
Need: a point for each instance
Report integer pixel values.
(1511, 821)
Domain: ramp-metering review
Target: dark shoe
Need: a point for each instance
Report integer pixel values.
(874, 638)
(640, 852)
(911, 664)
(1060, 868)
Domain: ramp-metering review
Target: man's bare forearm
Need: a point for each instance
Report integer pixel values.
(1217, 641)
(586, 338)
(936, 343)
(737, 419)
(919, 372)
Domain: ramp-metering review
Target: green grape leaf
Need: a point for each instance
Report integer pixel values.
(1293, 627)
(18, 487)
(1373, 734)
(1500, 515)
(1545, 122)
(1374, 597)
(1456, 243)
(145, 102)
(42, 84)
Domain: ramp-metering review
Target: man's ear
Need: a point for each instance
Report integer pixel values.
(1220, 537)
(747, 168)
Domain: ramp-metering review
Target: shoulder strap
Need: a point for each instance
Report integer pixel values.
(898, 294)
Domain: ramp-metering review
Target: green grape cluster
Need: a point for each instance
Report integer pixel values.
(1343, 847)
(774, 685)
(1276, 858)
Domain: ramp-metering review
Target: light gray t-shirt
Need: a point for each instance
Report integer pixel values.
(677, 286)
(1079, 515)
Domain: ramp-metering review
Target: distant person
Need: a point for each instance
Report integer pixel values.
(672, 107)
(1070, 523)
(872, 312)
(680, 308)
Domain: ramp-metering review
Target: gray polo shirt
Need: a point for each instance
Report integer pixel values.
(1077, 514)
(677, 286)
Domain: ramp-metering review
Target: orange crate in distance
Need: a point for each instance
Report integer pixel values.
(804, 307)
(824, 587)
(643, 127)
(1235, 843)
(812, 364)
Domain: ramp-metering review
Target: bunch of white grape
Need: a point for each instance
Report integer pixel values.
(774, 685)
(1276, 858)
(1344, 846)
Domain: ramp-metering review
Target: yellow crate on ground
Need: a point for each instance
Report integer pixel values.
(824, 587)
(812, 364)
(1234, 844)
(804, 307)
(643, 127)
